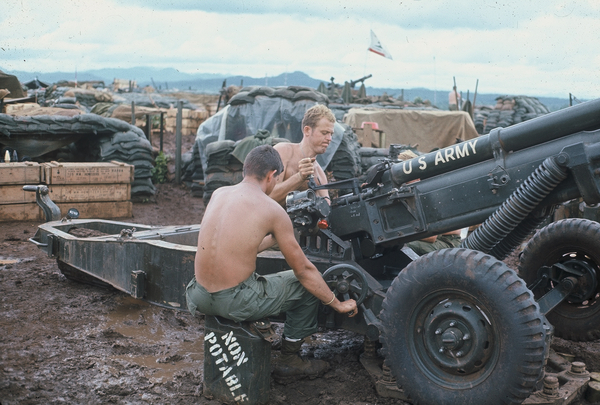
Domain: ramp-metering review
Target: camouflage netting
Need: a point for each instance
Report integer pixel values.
(508, 110)
(12, 84)
(87, 138)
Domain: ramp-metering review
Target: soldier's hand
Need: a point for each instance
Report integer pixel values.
(306, 167)
(346, 307)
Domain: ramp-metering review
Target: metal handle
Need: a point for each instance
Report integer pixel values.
(38, 244)
(30, 188)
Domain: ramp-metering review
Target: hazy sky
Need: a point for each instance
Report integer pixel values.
(537, 47)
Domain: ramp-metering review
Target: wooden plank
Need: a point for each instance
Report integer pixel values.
(104, 210)
(20, 173)
(32, 212)
(4, 262)
(87, 173)
(14, 194)
(20, 212)
(89, 192)
(14, 108)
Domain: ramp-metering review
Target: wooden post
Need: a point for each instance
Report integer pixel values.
(456, 95)
(474, 98)
(178, 142)
(148, 127)
(162, 129)
(368, 135)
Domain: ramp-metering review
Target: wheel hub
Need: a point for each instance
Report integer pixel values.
(452, 338)
(587, 282)
(457, 337)
(343, 286)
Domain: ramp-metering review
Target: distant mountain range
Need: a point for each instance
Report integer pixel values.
(169, 79)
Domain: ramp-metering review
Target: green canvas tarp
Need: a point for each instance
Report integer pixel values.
(12, 84)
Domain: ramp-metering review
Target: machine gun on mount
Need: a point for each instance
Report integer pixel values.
(458, 325)
(345, 93)
(361, 80)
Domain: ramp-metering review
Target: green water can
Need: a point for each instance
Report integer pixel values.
(237, 363)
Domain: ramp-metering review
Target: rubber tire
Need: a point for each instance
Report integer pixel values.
(516, 360)
(546, 247)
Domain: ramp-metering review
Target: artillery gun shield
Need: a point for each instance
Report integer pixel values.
(460, 327)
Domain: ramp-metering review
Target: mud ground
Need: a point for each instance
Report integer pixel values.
(66, 342)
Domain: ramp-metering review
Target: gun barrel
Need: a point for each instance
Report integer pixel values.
(582, 117)
(362, 79)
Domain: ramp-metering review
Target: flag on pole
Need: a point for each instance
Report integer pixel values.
(377, 48)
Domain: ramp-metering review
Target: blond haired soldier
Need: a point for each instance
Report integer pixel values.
(299, 159)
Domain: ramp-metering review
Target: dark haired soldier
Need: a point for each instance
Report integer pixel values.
(239, 222)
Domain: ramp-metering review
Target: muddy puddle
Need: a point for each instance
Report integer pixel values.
(143, 323)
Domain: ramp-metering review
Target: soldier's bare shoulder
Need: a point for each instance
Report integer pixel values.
(285, 148)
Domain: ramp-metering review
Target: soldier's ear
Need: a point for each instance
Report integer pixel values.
(271, 175)
(306, 130)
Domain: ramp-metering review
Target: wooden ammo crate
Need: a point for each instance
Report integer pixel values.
(103, 210)
(190, 120)
(20, 173)
(89, 192)
(32, 212)
(87, 173)
(20, 212)
(97, 190)
(14, 194)
(14, 109)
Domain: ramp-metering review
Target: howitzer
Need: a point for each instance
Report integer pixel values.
(457, 325)
(361, 80)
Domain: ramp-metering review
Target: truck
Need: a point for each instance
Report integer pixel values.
(456, 326)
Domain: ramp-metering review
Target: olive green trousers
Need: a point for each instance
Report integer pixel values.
(260, 297)
(442, 242)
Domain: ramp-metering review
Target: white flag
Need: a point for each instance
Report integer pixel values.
(377, 48)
